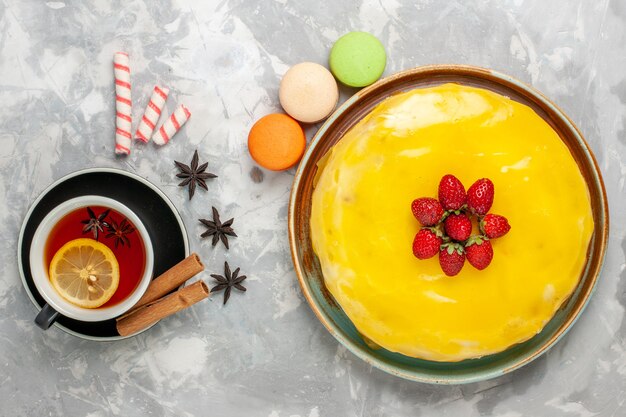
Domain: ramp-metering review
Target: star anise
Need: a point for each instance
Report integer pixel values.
(119, 232)
(217, 229)
(95, 224)
(228, 281)
(194, 174)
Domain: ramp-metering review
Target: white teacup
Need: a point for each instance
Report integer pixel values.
(39, 269)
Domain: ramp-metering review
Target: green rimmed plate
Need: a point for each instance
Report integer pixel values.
(309, 271)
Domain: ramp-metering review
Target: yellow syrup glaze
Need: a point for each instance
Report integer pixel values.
(362, 227)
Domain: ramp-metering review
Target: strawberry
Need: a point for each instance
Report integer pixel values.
(451, 258)
(451, 193)
(427, 210)
(458, 227)
(480, 196)
(426, 243)
(479, 252)
(494, 226)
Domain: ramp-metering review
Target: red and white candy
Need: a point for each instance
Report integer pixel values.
(171, 125)
(148, 122)
(123, 103)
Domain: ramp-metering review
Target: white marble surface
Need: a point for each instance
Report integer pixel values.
(265, 354)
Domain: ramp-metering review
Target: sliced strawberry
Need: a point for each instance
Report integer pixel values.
(494, 226)
(427, 211)
(451, 193)
(479, 252)
(451, 258)
(458, 227)
(480, 196)
(426, 243)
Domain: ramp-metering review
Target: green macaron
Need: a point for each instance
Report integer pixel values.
(357, 59)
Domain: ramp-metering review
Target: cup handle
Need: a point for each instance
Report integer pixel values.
(46, 317)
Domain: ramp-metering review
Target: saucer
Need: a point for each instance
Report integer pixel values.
(158, 214)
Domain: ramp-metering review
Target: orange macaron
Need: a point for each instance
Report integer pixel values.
(276, 142)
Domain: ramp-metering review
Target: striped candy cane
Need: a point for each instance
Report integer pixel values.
(171, 125)
(123, 103)
(151, 115)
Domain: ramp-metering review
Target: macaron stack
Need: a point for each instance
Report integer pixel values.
(309, 94)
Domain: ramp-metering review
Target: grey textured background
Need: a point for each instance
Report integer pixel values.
(265, 354)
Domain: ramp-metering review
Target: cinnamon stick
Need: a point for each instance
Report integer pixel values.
(171, 279)
(150, 313)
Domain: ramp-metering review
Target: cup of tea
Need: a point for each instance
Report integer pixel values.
(91, 259)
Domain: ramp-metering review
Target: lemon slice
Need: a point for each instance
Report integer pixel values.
(85, 272)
